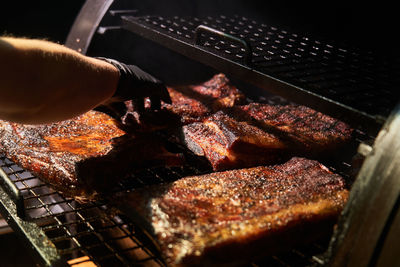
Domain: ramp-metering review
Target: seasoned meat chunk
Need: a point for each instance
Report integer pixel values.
(235, 216)
(257, 134)
(84, 155)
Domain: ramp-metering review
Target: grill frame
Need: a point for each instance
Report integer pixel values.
(32, 233)
(363, 234)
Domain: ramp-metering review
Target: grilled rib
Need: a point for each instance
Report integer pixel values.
(193, 103)
(234, 216)
(84, 155)
(309, 129)
(257, 134)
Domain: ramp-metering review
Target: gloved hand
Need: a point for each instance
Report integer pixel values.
(135, 84)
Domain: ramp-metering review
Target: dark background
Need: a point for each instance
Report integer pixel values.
(44, 19)
(371, 25)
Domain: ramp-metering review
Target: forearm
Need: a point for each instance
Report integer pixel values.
(44, 82)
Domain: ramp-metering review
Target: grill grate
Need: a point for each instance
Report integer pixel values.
(356, 83)
(75, 229)
(90, 232)
(95, 232)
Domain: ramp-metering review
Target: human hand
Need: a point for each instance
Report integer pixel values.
(135, 84)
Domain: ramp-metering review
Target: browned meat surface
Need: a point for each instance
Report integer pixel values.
(192, 103)
(234, 216)
(228, 143)
(81, 155)
(257, 134)
(300, 125)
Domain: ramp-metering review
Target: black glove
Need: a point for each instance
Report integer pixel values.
(135, 84)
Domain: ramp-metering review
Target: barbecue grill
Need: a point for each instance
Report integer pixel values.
(276, 65)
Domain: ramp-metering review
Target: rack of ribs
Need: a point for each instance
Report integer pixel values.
(82, 156)
(257, 134)
(235, 216)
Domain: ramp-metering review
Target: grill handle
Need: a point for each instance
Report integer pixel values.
(205, 29)
(14, 193)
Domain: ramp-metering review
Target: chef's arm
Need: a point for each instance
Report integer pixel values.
(41, 81)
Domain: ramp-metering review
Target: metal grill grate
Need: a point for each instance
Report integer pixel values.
(351, 84)
(77, 230)
(90, 233)
(95, 232)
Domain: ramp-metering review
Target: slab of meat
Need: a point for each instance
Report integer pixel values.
(190, 103)
(304, 127)
(234, 216)
(83, 155)
(257, 134)
(193, 103)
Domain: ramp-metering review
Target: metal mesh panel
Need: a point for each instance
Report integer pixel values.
(362, 83)
(340, 72)
(76, 229)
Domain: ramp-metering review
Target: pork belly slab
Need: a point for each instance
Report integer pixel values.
(84, 155)
(258, 134)
(235, 216)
